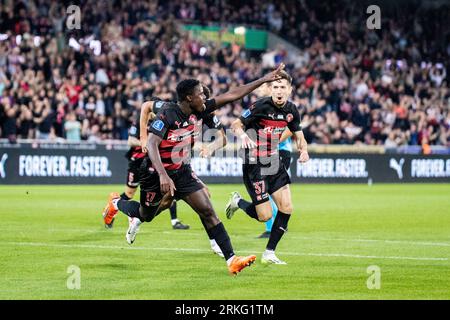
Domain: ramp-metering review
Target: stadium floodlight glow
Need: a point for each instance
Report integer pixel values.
(18, 39)
(3, 36)
(240, 30)
(74, 44)
(96, 46)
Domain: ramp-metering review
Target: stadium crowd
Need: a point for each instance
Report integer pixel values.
(352, 85)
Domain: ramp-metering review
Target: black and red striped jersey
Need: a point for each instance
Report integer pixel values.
(179, 132)
(136, 152)
(265, 122)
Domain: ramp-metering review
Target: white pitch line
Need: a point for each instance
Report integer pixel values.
(420, 243)
(406, 242)
(89, 246)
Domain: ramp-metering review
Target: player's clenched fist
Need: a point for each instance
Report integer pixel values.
(304, 156)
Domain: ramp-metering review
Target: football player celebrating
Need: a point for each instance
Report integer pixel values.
(169, 173)
(264, 174)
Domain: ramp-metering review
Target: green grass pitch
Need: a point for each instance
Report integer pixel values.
(335, 234)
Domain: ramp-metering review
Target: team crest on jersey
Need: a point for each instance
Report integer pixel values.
(192, 119)
(158, 125)
(178, 124)
(216, 120)
(289, 117)
(246, 113)
(158, 104)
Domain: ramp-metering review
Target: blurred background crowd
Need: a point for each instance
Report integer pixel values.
(352, 85)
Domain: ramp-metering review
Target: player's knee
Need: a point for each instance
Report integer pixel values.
(147, 214)
(208, 212)
(166, 203)
(130, 193)
(264, 217)
(287, 208)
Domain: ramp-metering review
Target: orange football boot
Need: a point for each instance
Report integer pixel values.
(239, 263)
(110, 212)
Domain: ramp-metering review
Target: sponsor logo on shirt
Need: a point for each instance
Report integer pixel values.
(158, 125)
(246, 113)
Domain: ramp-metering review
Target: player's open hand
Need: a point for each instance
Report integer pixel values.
(274, 75)
(247, 143)
(304, 156)
(143, 141)
(167, 185)
(205, 153)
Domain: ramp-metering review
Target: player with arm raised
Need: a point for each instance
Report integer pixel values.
(169, 172)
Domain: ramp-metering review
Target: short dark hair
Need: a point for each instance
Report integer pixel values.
(207, 91)
(284, 75)
(186, 88)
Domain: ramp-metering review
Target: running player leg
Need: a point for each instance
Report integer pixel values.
(282, 198)
(269, 223)
(259, 208)
(176, 223)
(130, 189)
(201, 204)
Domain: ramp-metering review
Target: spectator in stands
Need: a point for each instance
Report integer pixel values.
(72, 128)
(352, 85)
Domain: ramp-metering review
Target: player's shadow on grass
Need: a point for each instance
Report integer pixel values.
(113, 266)
(105, 237)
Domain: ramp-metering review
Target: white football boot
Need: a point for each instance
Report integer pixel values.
(269, 257)
(133, 229)
(232, 205)
(216, 249)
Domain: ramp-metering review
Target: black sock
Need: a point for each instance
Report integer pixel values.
(278, 229)
(130, 208)
(223, 240)
(249, 208)
(173, 210)
(208, 231)
(123, 196)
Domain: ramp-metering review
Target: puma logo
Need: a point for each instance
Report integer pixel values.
(2, 165)
(397, 166)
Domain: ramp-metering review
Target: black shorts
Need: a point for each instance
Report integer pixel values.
(185, 180)
(260, 186)
(286, 157)
(133, 173)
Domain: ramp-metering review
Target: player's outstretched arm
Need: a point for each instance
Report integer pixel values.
(302, 146)
(219, 142)
(241, 91)
(286, 134)
(237, 127)
(166, 183)
(146, 111)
